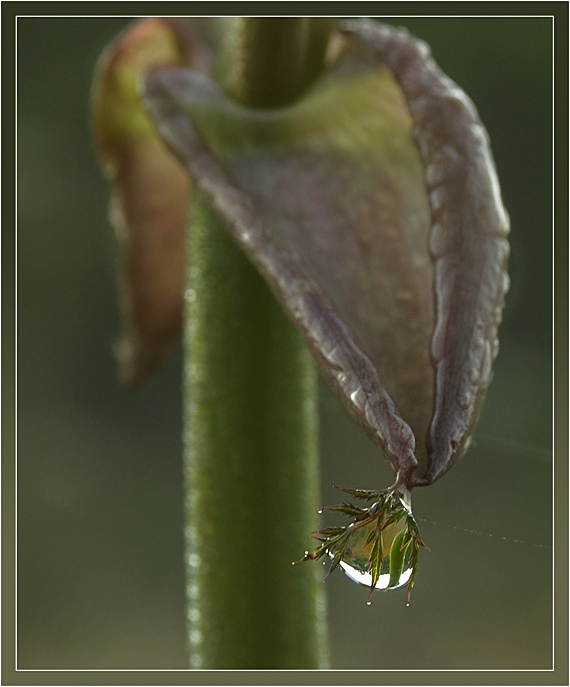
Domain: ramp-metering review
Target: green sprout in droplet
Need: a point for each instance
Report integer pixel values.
(379, 547)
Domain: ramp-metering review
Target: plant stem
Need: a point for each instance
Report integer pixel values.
(251, 436)
(273, 59)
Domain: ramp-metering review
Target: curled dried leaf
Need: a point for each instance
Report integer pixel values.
(326, 196)
(151, 189)
(372, 209)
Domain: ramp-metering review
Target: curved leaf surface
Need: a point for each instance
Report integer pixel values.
(371, 208)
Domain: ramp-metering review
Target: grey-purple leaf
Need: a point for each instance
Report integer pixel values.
(468, 238)
(328, 199)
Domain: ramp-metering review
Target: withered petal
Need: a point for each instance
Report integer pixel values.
(151, 190)
(329, 199)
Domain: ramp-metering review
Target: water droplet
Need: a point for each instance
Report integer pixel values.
(464, 399)
(190, 295)
(358, 397)
(195, 637)
(194, 560)
(435, 174)
(487, 362)
(194, 615)
(379, 548)
(195, 661)
(395, 570)
(474, 375)
(333, 355)
(437, 198)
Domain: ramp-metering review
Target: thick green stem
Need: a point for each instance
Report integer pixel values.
(251, 457)
(271, 60)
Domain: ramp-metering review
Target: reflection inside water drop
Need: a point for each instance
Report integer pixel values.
(396, 565)
(365, 578)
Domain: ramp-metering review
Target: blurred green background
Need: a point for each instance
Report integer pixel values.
(100, 575)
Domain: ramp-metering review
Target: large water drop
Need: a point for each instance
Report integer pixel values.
(379, 548)
(396, 566)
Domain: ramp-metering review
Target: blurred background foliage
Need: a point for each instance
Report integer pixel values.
(100, 574)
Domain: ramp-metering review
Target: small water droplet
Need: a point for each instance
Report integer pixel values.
(196, 637)
(369, 603)
(194, 560)
(195, 661)
(190, 295)
(437, 198)
(487, 362)
(435, 174)
(358, 397)
(464, 400)
(194, 615)
(474, 375)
